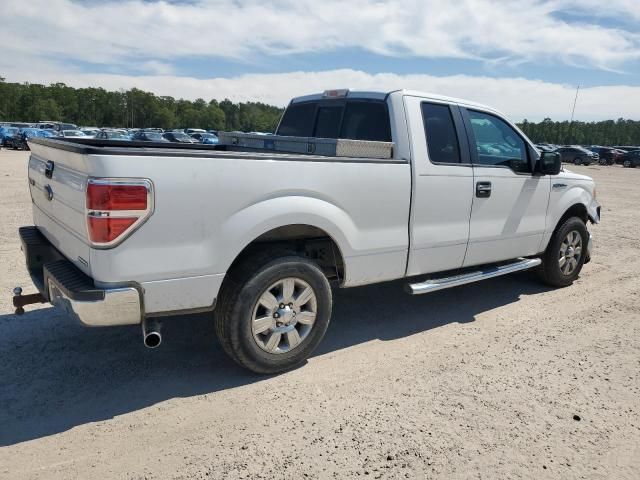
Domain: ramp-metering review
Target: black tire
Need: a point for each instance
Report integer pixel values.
(604, 162)
(550, 271)
(239, 295)
(577, 161)
(626, 164)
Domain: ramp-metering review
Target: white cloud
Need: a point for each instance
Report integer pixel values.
(119, 32)
(519, 98)
(48, 41)
(155, 67)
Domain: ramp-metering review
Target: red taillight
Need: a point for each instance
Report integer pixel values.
(107, 229)
(114, 208)
(116, 197)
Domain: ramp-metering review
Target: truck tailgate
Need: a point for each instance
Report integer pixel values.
(57, 182)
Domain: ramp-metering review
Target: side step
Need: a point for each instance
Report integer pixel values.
(434, 284)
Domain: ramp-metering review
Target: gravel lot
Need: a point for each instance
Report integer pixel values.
(501, 379)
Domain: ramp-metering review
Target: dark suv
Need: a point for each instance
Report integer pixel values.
(608, 155)
(577, 155)
(631, 159)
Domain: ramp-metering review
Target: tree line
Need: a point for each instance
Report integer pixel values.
(30, 102)
(134, 108)
(605, 133)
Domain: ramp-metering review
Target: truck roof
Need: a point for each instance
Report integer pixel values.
(382, 95)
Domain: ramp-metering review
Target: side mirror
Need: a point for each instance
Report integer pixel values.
(549, 163)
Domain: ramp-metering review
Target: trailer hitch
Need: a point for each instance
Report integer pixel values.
(19, 300)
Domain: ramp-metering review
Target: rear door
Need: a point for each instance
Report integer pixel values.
(443, 186)
(509, 208)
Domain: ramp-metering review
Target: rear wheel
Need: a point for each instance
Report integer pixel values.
(626, 163)
(273, 312)
(565, 254)
(603, 162)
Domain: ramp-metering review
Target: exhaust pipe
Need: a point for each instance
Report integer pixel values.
(151, 333)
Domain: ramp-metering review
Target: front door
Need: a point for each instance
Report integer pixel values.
(509, 202)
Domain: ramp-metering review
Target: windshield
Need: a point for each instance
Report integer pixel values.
(73, 133)
(116, 135)
(182, 136)
(153, 136)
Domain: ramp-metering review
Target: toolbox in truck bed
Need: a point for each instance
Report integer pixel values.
(330, 147)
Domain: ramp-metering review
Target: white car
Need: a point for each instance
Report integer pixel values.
(72, 133)
(436, 190)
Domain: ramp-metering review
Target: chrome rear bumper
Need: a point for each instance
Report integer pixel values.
(62, 284)
(119, 306)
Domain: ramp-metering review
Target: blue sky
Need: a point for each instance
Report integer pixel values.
(526, 57)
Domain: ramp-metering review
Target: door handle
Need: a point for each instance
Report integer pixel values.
(483, 189)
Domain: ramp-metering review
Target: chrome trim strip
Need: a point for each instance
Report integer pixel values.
(457, 280)
(120, 306)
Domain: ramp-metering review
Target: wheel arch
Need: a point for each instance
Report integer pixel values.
(307, 240)
(576, 210)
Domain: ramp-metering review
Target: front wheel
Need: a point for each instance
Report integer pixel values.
(626, 164)
(565, 254)
(577, 161)
(273, 312)
(603, 162)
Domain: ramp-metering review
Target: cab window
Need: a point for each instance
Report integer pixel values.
(497, 143)
(440, 130)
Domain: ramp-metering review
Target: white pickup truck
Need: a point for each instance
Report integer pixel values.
(127, 234)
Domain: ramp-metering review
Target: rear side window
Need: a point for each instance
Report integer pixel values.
(366, 121)
(442, 140)
(298, 120)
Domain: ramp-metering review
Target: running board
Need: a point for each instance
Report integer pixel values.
(434, 284)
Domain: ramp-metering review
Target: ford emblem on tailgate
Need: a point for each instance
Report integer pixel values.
(48, 192)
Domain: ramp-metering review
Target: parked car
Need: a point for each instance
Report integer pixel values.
(6, 135)
(90, 132)
(191, 131)
(543, 147)
(256, 238)
(121, 135)
(178, 137)
(205, 138)
(577, 155)
(57, 126)
(19, 140)
(627, 148)
(631, 159)
(148, 136)
(46, 124)
(72, 133)
(608, 155)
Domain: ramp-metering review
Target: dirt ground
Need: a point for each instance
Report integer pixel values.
(500, 379)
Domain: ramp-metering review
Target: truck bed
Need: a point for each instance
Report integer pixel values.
(209, 203)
